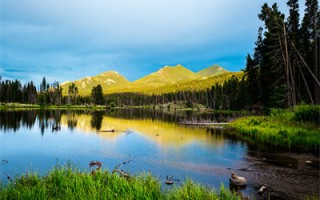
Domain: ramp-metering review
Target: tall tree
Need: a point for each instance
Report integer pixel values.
(97, 95)
(253, 82)
(293, 26)
(43, 85)
(277, 54)
(72, 93)
(310, 44)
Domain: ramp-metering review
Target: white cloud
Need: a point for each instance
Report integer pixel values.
(71, 35)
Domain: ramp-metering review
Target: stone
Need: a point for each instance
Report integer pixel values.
(237, 180)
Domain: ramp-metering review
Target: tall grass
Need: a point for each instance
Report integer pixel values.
(192, 191)
(293, 129)
(68, 183)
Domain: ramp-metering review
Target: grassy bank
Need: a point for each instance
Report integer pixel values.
(67, 183)
(298, 129)
(169, 106)
(4, 106)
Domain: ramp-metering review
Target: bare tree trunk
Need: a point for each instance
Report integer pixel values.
(306, 83)
(289, 69)
(316, 64)
(306, 65)
(285, 56)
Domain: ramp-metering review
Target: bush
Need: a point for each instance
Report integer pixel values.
(307, 113)
(112, 105)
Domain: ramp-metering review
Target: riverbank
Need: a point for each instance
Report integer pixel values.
(297, 129)
(4, 106)
(67, 183)
(164, 107)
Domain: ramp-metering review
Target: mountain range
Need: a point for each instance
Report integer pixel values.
(166, 79)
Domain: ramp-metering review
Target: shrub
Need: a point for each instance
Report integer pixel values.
(307, 113)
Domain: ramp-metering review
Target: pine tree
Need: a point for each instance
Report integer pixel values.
(276, 56)
(72, 93)
(97, 95)
(310, 48)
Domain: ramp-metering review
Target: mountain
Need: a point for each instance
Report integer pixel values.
(107, 80)
(166, 75)
(165, 80)
(213, 70)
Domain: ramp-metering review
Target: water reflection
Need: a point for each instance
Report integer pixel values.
(14, 119)
(96, 120)
(157, 143)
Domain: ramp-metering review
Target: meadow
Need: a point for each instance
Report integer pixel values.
(297, 129)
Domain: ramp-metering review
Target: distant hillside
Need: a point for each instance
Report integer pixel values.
(211, 71)
(196, 84)
(165, 80)
(166, 75)
(107, 80)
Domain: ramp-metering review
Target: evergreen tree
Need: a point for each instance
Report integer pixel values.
(276, 54)
(97, 95)
(253, 82)
(43, 85)
(310, 48)
(72, 93)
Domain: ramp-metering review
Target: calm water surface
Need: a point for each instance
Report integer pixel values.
(155, 142)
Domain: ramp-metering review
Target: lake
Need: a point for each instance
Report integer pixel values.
(155, 142)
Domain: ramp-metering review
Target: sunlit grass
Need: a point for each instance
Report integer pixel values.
(21, 106)
(292, 129)
(68, 183)
(192, 191)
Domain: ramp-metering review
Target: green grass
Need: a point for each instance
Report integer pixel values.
(4, 106)
(193, 191)
(292, 129)
(18, 105)
(67, 183)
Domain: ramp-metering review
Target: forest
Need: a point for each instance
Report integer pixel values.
(282, 72)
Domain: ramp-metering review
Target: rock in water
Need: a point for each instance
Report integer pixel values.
(262, 189)
(308, 162)
(237, 180)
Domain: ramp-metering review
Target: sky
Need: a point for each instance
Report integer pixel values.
(70, 39)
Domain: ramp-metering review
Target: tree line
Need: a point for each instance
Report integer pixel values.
(284, 69)
(47, 94)
(13, 91)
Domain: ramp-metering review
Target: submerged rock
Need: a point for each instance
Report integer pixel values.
(262, 189)
(4, 161)
(308, 162)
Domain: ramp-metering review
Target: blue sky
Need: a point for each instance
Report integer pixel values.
(70, 39)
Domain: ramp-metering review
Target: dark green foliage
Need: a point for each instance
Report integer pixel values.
(43, 85)
(138, 99)
(228, 96)
(49, 95)
(72, 94)
(97, 95)
(307, 113)
(252, 73)
(189, 104)
(12, 91)
(285, 66)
